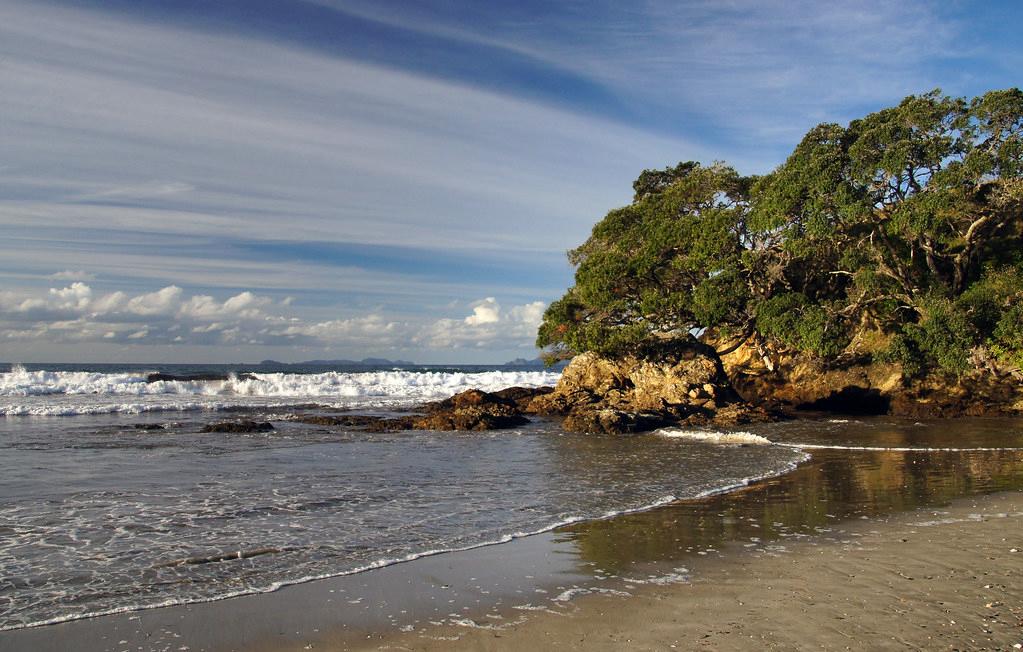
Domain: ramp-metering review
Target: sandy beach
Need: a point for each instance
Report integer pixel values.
(928, 579)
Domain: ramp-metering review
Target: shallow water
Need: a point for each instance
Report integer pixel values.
(495, 586)
(99, 516)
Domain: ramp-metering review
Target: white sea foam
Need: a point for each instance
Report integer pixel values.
(741, 437)
(572, 593)
(715, 437)
(899, 449)
(65, 393)
(679, 576)
(970, 518)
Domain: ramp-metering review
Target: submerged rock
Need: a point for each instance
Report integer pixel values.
(239, 426)
(610, 420)
(346, 420)
(365, 422)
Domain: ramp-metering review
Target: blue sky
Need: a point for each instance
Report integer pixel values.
(242, 179)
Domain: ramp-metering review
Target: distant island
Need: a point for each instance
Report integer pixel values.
(365, 362)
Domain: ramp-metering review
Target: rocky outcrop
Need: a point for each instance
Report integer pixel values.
(977, 395)
(791, 382)
(631, 394)
(469, 410)
(476, 410)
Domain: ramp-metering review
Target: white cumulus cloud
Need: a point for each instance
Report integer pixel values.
(77, 313)
(487, 311)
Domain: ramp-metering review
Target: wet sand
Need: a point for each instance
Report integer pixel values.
(929, 579)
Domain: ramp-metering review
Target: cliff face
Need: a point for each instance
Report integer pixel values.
(597, 394)
(782, 380)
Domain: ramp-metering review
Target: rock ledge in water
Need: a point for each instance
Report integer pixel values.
(239, 426)
(478, 410)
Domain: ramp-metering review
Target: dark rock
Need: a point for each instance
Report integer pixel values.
(390, 425)
(347, 420)
(614, 422)
(368, 423)
(472, 398)
(239, 426)
(562, 401)
(478, 410)
(522, 396)
(471, 418)
(149, 426)
(852, 400)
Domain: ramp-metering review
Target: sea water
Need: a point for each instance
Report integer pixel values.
(98, 515)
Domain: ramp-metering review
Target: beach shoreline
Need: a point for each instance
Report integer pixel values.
(927, 579)
(623, 575)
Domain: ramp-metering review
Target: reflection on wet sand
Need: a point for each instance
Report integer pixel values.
(833, 486)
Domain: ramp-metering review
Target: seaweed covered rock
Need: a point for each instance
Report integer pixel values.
(468, 419)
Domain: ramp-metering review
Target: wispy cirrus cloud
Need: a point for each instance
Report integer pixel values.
(733, 73)
(72, 275)
(155, 154)
(372, 163)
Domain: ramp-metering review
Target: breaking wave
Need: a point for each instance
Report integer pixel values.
(64, 393)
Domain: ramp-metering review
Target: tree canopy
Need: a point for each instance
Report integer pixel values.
(906, 223)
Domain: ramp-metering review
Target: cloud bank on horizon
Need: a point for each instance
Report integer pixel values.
(79, 316)
(342, 178)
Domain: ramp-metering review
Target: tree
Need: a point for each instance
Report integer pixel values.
(660, 267)
(907, 222)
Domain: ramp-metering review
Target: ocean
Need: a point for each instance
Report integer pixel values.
(112, 499)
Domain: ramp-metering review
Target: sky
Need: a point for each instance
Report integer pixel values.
(195, 181)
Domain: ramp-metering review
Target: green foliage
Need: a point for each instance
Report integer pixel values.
(1007, 338)
(799, 324)
(908, 221)
(656, 269)
(906, 351)
(944, 336)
